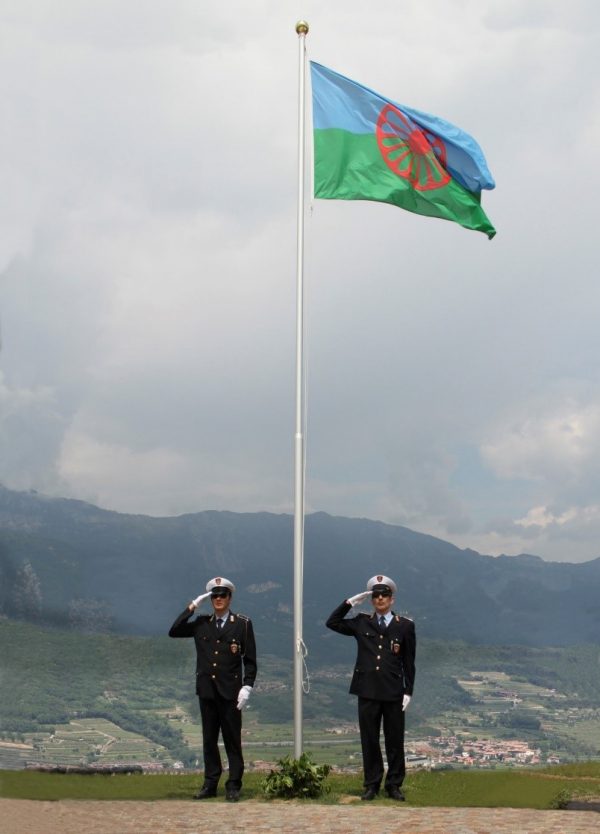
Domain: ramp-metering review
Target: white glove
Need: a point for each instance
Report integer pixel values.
(405, 701)
(243, 696)
(196, 602)
(358, 598)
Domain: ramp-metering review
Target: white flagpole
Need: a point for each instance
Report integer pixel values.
(301, 30)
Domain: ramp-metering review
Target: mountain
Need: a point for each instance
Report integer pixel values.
(69, 563)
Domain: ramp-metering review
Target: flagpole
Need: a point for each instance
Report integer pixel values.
(301, 30)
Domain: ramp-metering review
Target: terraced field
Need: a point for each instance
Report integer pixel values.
(83, 741)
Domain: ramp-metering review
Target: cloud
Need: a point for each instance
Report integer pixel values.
(543, 517)
(163, 480)
(536, 15)
(31, 429)
(556, 443)
(147, 269)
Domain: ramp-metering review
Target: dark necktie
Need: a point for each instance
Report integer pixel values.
(219, 624)
(382, 622)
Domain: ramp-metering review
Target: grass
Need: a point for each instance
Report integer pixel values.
(535, 788)
(497, 789)
(20, 784)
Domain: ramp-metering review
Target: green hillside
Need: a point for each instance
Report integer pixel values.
(73, 698)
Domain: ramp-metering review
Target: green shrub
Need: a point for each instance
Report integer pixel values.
(560, 801)
(296, 779)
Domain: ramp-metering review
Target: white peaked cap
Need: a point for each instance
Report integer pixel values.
(220, 582)
(381, 580)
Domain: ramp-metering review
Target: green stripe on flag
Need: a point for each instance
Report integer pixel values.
(350, 166)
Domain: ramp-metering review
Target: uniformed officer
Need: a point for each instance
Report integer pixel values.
(383, 679)
(225, 674)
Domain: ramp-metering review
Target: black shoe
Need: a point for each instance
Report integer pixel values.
(369, 794)
(205, 793)
(395, 793)
(232, 795)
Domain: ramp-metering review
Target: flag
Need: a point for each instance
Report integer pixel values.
(369, 148)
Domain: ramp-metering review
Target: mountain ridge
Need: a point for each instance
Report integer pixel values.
(135, 572)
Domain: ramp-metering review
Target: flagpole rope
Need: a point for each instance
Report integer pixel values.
(302, 647)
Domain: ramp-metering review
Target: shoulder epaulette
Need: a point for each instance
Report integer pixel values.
(399, 617)
(242, 617)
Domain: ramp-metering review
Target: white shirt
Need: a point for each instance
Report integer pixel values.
(387, 617)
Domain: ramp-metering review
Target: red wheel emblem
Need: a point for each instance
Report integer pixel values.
(411, 153)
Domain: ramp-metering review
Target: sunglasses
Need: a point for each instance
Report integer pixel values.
(376, 594)
(220, 593)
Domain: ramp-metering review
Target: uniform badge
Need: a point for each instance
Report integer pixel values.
(395, 647)
(234, 648)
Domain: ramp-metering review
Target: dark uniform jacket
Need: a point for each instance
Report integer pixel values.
(385, 661)
(225, 658)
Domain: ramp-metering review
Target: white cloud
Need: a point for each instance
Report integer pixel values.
(542, 517)
(162, 480)
(559, 444)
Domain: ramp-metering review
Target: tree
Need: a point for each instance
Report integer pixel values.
(27, 593)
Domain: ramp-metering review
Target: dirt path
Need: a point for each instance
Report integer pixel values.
(250, 817)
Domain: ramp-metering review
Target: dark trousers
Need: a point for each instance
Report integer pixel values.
(370, 714)
(220, 714)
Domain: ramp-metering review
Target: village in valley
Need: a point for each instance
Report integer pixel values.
(434, 752)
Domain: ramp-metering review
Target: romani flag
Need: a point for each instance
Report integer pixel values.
(369, 148)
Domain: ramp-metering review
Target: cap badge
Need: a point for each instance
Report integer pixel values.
(218, 580)
(380, 578)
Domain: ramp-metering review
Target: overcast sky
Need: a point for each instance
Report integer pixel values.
(147, 268)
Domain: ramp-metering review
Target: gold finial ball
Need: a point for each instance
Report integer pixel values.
(302, 27)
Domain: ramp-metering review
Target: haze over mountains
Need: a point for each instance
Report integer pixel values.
(71, 564)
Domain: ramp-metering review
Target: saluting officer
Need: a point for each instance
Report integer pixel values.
(383, 679)
(225, 674)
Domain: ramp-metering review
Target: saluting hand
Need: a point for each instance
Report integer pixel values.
(358, 598)
(196, 602)
(405, 701)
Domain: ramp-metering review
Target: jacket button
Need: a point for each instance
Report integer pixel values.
(378, 657)
(214, 664)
